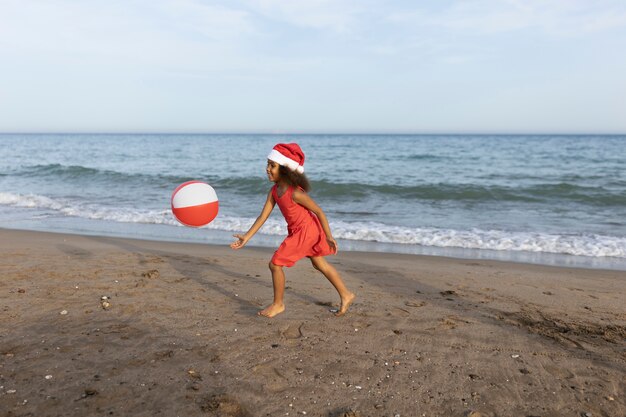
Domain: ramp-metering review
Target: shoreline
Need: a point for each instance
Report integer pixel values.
(221, 238)
(426, 335)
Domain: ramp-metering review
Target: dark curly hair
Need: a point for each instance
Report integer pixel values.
(293, 178)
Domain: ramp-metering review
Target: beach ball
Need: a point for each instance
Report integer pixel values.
(194, 203)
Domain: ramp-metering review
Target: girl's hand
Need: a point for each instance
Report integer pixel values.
(333, 244)
(240, 243)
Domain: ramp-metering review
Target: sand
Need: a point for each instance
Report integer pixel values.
(427, 336)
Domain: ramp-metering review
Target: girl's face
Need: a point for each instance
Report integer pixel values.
(272, 171)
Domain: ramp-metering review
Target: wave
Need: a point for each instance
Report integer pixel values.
(575, 244)
(68, 173)
(471, 192)
(611, 194)
(592, 245)
(81, 173)
(424, 157)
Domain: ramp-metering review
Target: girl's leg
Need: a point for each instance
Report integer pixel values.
(278, 281)
(332, 275)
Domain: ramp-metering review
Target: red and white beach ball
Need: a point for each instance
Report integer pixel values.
(194, 203)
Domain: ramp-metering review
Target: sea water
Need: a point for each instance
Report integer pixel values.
(534, 198)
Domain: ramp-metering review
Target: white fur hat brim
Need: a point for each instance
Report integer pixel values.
(281, 159)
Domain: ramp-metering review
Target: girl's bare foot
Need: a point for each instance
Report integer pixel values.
(345, 304)
(272, 310)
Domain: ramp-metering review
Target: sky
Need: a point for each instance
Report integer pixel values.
(313, 66)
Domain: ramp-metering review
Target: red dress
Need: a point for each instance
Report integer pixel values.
(306, 236)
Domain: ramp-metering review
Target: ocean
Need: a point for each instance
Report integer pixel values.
(548, 199)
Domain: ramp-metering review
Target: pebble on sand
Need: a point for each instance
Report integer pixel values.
(89, 392)
(104, 302)
(192, 373)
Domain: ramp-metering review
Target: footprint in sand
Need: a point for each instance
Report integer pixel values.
(415, 303)
(397, 311)
(153, 273)
(558, 372)
(223, 405)
(451, 322)
(292, 332)
(273, 380)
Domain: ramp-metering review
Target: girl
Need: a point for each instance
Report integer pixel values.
(309, 233)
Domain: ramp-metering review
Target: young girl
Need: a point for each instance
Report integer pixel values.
(309, 234)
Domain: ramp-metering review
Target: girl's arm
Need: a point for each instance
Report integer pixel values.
(307, 202)
(265, 213)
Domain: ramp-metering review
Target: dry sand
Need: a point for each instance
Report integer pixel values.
(427, 336)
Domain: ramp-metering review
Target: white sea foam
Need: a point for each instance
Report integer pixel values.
(574, 244)
(30, 200)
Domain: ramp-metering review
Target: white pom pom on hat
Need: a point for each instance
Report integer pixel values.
(288, 155)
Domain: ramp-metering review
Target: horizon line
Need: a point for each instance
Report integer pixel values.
(377, 133)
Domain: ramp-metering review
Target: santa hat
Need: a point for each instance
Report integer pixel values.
(288, 155)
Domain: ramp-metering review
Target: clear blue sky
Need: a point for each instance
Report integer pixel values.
(313, 66)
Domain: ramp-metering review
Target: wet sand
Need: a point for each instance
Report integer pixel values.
(427, 336)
